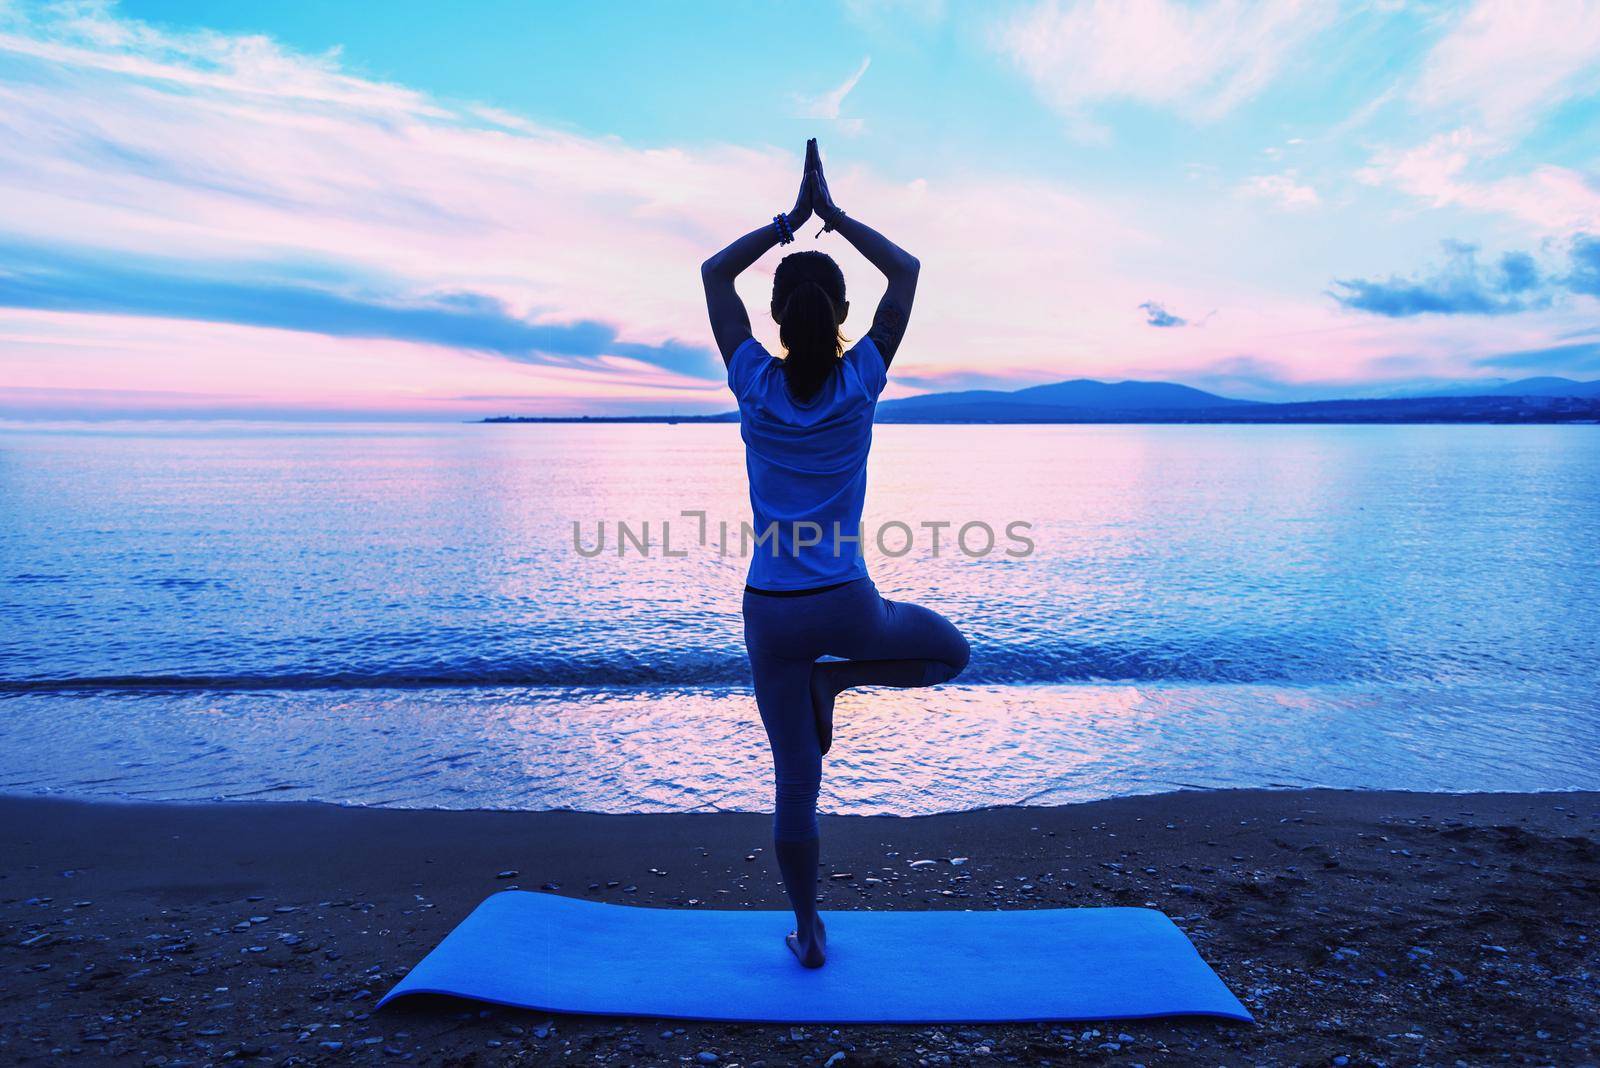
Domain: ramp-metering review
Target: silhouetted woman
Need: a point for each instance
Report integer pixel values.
(806, 420)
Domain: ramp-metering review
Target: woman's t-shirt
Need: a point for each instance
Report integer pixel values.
(807, 465)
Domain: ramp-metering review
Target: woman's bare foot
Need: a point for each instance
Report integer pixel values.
(812, 950)
(822, 697)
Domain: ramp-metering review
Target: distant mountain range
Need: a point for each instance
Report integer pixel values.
(1084, 400)
(1547, 386)
(1038, 403)
(1087, 401)
(1080, 394)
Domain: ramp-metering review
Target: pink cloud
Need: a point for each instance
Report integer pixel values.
(1555, 200)
(1201, 59)
(1284, 190)
(1502, 62)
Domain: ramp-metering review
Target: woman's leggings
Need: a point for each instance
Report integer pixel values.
(886, 644)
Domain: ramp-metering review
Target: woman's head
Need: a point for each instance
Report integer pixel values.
(808, 304)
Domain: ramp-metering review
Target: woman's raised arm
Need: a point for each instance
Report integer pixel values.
(730, 323)
(898, 266)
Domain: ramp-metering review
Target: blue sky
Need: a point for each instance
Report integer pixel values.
(381, 207)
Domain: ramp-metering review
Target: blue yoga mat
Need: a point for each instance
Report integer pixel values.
(558, 954)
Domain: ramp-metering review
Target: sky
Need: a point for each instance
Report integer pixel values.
(405, 210)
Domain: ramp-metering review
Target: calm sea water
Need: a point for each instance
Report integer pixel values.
(398, 616)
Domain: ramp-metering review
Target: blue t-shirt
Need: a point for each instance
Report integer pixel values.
(807, 465)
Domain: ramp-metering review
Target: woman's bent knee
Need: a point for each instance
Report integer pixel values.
(959, 654)
(940, 640)
(949, 662)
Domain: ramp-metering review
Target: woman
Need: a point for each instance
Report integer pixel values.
(806, 420)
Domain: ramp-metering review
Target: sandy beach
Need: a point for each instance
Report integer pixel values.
(1361, 928)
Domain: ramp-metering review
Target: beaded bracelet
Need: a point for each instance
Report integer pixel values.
(828, 224)
(785, 235)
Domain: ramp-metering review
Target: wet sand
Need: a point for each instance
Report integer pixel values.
(1381, 928)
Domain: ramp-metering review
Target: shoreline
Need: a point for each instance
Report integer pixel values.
(1382, 927)
(1175, 795)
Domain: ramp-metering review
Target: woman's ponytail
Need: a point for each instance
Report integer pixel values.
(809, 329)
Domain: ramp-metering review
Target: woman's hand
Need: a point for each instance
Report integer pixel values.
(821, 200)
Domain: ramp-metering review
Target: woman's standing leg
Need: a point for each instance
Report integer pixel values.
(783, 695)
(889, 643)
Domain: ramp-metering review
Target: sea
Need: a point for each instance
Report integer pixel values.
(544, 616)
